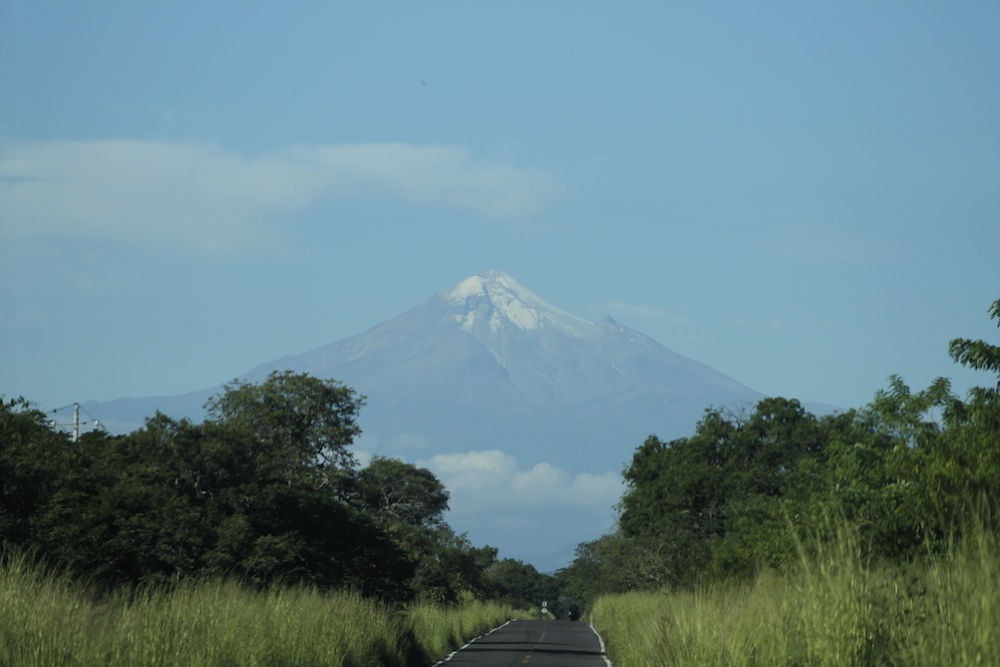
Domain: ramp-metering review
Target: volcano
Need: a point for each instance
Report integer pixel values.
(485, 382)
(487, 364)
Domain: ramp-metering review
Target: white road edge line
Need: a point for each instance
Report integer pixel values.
(452, 654)
(604, 651)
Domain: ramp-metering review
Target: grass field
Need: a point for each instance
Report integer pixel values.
(47, 620)
(830, 610)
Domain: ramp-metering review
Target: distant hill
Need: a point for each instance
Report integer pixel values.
(487, 365)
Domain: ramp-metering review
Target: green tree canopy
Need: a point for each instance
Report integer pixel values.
(978, 354)
(311, 422)
(396, 493)
(33, 457)
(522, 585)
(408, 503)
(253, 492)
(687, 497)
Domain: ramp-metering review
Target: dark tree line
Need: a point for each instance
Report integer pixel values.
(908, 472)
(265, 489)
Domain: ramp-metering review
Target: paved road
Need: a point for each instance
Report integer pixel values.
(534, 643)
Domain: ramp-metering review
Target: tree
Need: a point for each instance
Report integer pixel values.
(409, 502)
(253, 492)
(447, 567)
(176, 499)
(930, 462)
(311, 422)
(616, 563)
(711, 505)
(910, 472)
(520, 584)
(32, 458)
(979, 354)
(676, 496)
(395, 493)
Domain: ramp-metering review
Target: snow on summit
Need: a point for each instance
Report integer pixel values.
(510, 301)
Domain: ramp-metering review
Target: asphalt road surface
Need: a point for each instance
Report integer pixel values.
(536, 644)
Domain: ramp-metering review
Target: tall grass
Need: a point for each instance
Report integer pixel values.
(955, 607)
(47, 620)
(440, 630)
(831, 610)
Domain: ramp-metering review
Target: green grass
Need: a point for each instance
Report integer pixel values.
(831, 610)
(47, 620)
(440, 630)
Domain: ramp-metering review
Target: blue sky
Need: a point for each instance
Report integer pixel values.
(802, 195)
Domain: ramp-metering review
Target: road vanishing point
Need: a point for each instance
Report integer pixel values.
(534, 643)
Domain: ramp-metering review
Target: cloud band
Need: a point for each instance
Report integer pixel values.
(204, 196)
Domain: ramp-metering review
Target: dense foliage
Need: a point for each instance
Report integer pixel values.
(909, 471)
(266, 490)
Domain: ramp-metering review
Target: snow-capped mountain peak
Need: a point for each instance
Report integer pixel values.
(498, 298)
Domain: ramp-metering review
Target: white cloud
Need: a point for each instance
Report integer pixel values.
(204, 196)
(489, 480)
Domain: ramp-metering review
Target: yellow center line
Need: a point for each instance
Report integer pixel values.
(540, 638)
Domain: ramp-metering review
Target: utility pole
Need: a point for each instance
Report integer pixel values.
(76, 421)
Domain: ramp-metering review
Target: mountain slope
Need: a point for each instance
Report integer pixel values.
(487, 361)
(487, 364)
